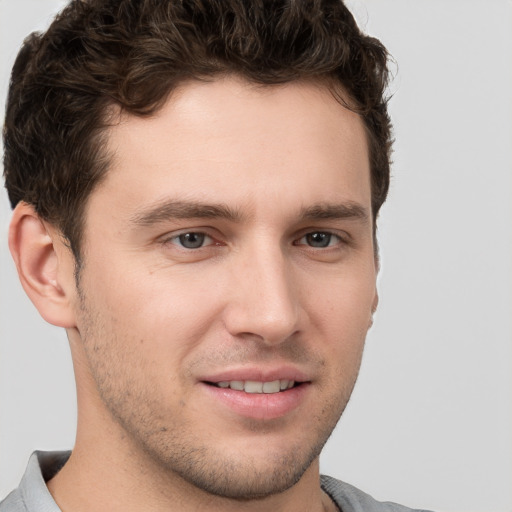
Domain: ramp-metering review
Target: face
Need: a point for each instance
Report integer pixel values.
(228, 282)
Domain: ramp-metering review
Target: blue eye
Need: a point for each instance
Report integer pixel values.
(320, 239)
(192, 240)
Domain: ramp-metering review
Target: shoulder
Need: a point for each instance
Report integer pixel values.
(350, 499)
(32, 495)
(13, 502)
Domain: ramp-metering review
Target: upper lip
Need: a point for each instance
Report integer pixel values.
(257, 374)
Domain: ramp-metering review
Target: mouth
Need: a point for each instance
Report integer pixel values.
(258, 393)
(259, 399)
(257, 387)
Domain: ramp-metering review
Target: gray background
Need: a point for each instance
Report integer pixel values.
(430, 421)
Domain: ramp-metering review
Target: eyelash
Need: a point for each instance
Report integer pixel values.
(178, 240)
(331, 236)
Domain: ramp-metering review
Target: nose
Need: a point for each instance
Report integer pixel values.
(264, 299)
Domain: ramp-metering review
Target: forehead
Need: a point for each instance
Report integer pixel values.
(231, 141)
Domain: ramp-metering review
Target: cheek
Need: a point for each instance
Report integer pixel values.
(164, 315)
(341, 314)
(343, 301)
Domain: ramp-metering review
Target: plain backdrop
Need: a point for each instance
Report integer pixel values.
(430, 421)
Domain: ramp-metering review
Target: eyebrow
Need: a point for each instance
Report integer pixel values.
(175, 209)
(329, 211)
(185, 210)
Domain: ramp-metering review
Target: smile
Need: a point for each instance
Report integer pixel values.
(258, 399)
(252, 386)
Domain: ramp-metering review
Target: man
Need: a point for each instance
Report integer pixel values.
(195, 189)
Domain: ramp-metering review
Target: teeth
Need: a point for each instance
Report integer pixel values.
(271, 387)
(236, 384)
(252, 386)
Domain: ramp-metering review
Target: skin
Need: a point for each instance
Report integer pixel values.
(279, 169)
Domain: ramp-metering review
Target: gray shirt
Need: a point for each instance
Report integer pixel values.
(33, 496)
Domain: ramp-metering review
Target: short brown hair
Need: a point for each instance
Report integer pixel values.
(133, 53)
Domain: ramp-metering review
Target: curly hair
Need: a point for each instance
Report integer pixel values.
(133, 53)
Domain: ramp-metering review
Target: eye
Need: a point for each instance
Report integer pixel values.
(319, 239)
(192, 240)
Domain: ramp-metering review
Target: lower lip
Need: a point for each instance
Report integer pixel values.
(260, 406)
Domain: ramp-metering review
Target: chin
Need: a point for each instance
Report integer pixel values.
(247, 479)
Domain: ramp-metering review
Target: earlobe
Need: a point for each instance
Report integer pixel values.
(45, 266)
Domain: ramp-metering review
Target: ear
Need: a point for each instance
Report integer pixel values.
(45, 266)
(375, 303)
